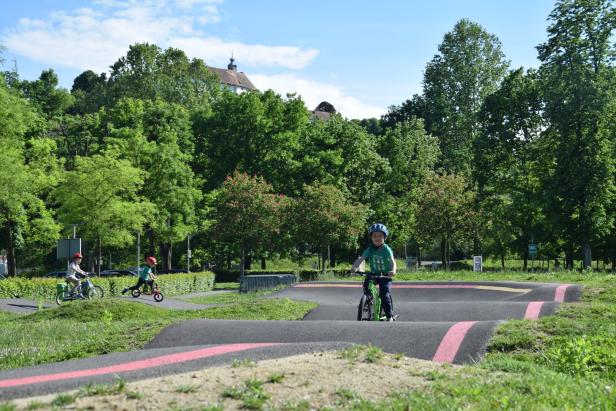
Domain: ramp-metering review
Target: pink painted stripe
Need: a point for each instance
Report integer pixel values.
(135, 365)
(561, 291)
(452, 340)
(418, 286)
(533, 309)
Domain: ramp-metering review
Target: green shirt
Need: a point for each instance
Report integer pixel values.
(145, 272)
(381, 259)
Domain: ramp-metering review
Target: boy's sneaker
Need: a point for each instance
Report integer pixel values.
(124, 291)
(391, 319)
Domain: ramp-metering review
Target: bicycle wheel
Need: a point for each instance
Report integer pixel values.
(95, 292)
(158, 297)
(135, 293)
(364, 310)
(61, 296)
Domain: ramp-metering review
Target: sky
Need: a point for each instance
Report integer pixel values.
(360, 55)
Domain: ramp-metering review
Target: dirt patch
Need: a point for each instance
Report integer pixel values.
(309, 381)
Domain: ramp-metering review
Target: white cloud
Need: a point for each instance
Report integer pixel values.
(95, 37)
(313, 92)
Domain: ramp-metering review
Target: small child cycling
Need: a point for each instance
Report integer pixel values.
(146, 276)
(382, 262)
(73, 275)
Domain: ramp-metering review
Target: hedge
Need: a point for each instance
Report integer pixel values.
(233, 276)
(45, 288)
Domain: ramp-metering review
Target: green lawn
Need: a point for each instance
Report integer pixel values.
(87, 328)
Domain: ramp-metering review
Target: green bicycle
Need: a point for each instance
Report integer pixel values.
(370, 307)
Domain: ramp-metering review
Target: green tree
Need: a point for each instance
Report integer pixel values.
(508, 164)
(411, 154)
(156, 137)
(246, 215)
(147, 72)
(44, 93)
(469, 66)
(101, 193)
(324, 217)
(445, 211)
(578, 87)
(28, 171)
(255, 133)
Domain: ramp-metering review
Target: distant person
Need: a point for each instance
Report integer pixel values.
(382, 262)
(73, 273)
(146, 276)
(3, 261)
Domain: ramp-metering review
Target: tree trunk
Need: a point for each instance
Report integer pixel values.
(447, 254)
(242, 263)
(569, 258)
(332, 257)
(263, 263)
(11, 264)
(418, 256)
(99, 255)
(443, 253)
(229, 261)
(587, 255)
(247, 262)
(525, 259)
(165, 253)
(503, 262)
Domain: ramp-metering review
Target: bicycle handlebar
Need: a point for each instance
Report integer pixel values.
(370, 274)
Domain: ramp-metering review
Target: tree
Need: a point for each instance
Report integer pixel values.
(469, 66)
(27, 172)
(411, 154)
(101, 193)
(445, 210)
(255, 133)
(509, 164)
(246, 215)
(147, 72)
(45, 94)
(578, 87)
(155, 137)
(324, 217)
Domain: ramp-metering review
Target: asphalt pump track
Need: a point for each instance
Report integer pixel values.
(439, 321)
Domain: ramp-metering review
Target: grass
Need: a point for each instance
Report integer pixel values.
(231, 297)
(87, 328)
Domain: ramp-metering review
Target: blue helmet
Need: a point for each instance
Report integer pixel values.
(378, 227)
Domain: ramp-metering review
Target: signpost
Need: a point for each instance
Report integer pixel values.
(477, 263)
(532, 253)
(67, 247)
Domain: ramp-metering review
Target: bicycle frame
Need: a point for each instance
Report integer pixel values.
(372, 290)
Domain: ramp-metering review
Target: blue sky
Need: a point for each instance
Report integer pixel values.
(362, 56)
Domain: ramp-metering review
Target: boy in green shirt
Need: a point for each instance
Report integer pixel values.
(145, 275)
(382, 262)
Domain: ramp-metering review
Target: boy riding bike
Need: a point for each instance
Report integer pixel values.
(73, 273)
(145, 275)
(382, 262)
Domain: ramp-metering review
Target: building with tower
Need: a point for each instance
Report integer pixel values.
(234, 80)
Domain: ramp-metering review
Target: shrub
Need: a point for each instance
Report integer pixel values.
(45, 288)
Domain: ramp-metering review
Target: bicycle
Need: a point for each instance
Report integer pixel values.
(370, 307)
(88, 291)
(153, 291)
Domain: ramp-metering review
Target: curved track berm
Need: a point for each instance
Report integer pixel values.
(439, 321)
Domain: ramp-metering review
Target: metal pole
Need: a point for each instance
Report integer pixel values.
(138, 252)
(188, 253)
(74, 230)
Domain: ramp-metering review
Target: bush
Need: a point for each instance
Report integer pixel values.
(45, 288)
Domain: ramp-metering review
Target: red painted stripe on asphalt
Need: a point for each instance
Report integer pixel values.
(532, 310)
(450, 344)
(418, 286)
(135, 365)
(561, 291)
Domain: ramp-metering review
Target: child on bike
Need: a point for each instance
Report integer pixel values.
(73, 273)
(145, 275)
(382, 262)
